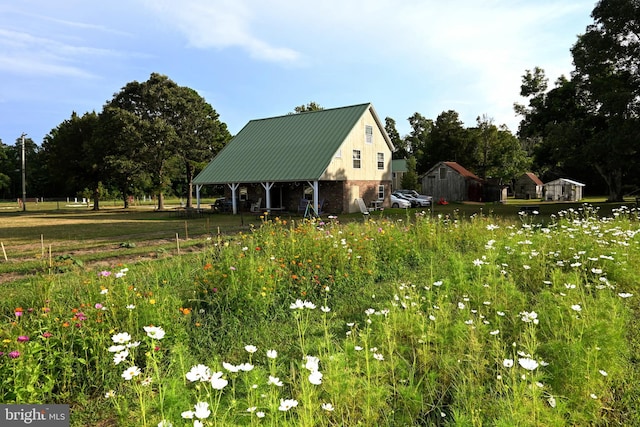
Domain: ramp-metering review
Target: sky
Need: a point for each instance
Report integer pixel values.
(252, 59)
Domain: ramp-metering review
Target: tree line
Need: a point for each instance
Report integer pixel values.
(155, 136)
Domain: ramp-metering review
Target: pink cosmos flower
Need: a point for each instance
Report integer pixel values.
(23, 338)
(14, 354)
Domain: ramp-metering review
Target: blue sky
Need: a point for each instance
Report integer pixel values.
(253, 59)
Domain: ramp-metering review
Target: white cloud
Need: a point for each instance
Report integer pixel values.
(220, 24)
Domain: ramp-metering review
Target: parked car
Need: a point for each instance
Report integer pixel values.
(413, 202)
(421, 199)
(399, 202)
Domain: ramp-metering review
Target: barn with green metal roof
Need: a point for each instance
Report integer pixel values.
(329, 157)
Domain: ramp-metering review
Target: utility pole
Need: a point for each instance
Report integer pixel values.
(24, 177)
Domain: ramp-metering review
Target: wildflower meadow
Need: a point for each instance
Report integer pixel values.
(417, 320)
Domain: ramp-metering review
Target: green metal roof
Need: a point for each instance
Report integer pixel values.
(294, 147)
(399, 165)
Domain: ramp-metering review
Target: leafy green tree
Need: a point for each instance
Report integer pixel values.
(450, 141)
(72, 158)
(5, 166)
(418, 141)
(401, 149)
(312, 106)
(607, 77)
(200, 134)
(410, 178)
(157, 126)
(499, 154)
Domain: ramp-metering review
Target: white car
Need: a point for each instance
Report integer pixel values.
(397, 202)
(420, 199)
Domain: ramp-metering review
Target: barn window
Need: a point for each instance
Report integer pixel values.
(368, 134)
(356, 159)
(380, 161)
(380, 192)
(443, 173)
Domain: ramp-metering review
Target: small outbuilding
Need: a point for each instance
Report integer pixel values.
(452, 182)
(563, 189)
(528, 186)
(398, 169)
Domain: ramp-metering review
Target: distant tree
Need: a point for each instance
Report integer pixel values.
(5, 166)
(312, 106)
(168, 125)
(401, 151)
(607, 78)
(73, 159)
(410, 178)
(450, 141)
(593, 120)
(499, 154)
(418, 141)
(33, 168)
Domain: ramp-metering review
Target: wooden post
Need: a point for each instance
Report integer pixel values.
(42, 246)
(178, 243)
(186, 231)
(4, 252)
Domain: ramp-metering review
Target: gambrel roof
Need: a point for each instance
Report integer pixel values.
(294, 147)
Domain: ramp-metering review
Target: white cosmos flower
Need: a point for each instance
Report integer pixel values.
(251, 348)
(217, 382)
(325, 309)
(528, 364)
(327, 406)
(496, 332)
(260, 414)
(131, 372)
(154, 332)
(116, 348)
(309, 305)
(576, 307)
(120, 357)
(275, 381)
(130, 307)
(507, 363)
(121, 338)
(199, 373)
(625, 295)
(298, 305)
(245, 367)
(202, 410)
(552, 401)
(272, 354)
(315, 377)
(378, 356)
(312, 363)
(478, 262)
(197, 423)
(603, 372)
(286, 404)
(229, 367)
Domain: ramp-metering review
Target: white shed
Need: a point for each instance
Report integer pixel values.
(563, 189)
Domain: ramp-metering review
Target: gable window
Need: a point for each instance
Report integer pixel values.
(368, 134)
(339, 153)
(356, 159)
(380, 192)
(380, 161)
(443, 173)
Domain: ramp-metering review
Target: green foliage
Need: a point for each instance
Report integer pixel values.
(413, 321)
